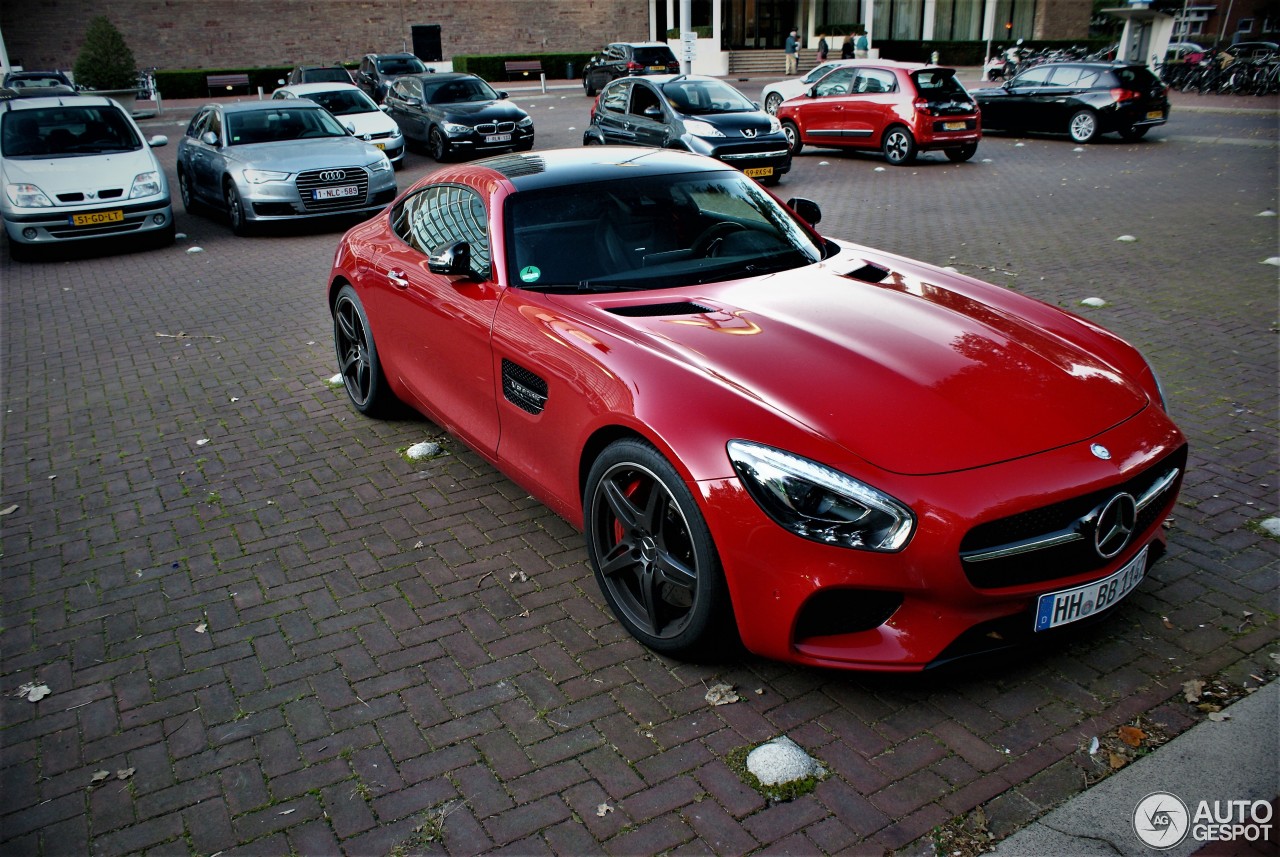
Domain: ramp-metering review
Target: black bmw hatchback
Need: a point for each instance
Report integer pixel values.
(692, 112)
(457, 115)
(1082, 100)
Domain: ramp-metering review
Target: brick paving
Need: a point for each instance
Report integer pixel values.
(299, 641)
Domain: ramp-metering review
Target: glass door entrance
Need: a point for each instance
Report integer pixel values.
(758, 23)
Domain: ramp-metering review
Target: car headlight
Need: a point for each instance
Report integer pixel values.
(819, 503)
(455, 130)
(698, 128)
(774, 125)
(27, 196)
(395, 132)
(526, 122)
(382, 164)
(145, 184)
(261, 176)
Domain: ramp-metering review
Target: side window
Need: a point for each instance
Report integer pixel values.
(839, 82)
(215, 124)
(613, 53)
(643, 98)
(442, 215)
(1033, 76)
(199, 122)
(874, 80)
(1088, 77)
(615, 98)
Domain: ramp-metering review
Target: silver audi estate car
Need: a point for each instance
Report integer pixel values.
(285, 159)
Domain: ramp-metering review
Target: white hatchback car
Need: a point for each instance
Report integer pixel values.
(776, 93)
(355, 111)
(76, 168)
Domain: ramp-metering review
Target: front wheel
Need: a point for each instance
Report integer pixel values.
(437, 146)
(899, 146)
(792, 133)
(358, 361)
(772, 102)
(1083, 126)
(962, 154)
(235, 210)
(653, 555)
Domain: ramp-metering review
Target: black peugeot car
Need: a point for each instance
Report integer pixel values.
(700, 114)
(1080, 99)
(456, 115)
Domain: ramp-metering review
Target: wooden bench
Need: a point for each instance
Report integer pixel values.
(220, 84)
(522, 68)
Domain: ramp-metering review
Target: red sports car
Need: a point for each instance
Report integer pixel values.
(845, 457)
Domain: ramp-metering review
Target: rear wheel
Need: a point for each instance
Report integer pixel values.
(792, 134)
(1133, 133)
(771, 102)
(1083, 126)
(962, 154)
(589, 86)
(899, 146)
(653, 555)
(189, 203)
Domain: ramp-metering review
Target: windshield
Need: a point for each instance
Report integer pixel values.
(458, 91)
(699, 97)
(654, 56)
(283, 123)
(320, 75)
(66, 132)
(401, 65)
(341, 102)
(651, 233)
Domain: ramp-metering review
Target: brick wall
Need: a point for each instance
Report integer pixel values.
(251, 33)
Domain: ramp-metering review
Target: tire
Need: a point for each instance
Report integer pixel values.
(962, 154)
(358, 362)
(437, 146)
(771, 103)
(164, 237)
(20, 252)
(587, 86)
(792, 134)
(899, 146)
(1133, 134)
(235, 210)
(1083, 126)
(189, 203)
(653, 555)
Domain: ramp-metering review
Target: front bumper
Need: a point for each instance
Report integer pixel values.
(801, 601)
(55, 225)
(298, 197)
(773, 155)
(521, 139)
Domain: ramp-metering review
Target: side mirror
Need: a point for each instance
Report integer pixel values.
(385, 108)
(653, 111)
(157, 141)
(806, 209)
(351, 128)
(452, 260)
(812, 92)
(280, 82)
(209, 138)
(502, 93)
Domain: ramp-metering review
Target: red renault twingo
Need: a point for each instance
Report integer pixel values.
(899, 109)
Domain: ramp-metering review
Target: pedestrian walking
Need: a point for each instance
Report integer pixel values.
(792, 49)
(846, 47)
(861, 45)
(823, 47)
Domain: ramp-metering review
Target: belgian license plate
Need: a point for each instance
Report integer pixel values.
(93, 218)
(497, 138)
(952, 126)
(758, 172)
(335, 192)
(1155, 114)
(1072, 605)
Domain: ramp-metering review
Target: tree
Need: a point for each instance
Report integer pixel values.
(105, 61)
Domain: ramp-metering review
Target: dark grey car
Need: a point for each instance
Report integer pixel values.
(457, 115)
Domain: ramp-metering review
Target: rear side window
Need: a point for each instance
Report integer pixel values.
(615, 98)
(1135, 77)
(938, 85)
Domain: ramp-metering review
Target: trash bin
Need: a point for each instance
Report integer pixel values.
(568, 71)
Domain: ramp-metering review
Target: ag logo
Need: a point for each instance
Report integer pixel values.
(1161, 820)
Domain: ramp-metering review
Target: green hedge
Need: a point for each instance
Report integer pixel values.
(491, 68)
(191, 83)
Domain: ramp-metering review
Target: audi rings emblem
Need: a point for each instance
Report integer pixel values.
(1116, 523)
(333, 175)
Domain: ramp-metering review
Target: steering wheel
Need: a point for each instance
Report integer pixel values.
(708, 243)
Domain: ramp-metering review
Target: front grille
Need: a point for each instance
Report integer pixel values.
(495, 127)
(1055, 541)
(312, 180)
(77, 196)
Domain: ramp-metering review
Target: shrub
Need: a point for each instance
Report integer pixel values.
(105, 61)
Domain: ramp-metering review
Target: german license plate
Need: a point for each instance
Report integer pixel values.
(1155, 114)
(497, 138)
(952, 126)
(93, 218)
(335, 192)
(1072, 605)
(758, 172)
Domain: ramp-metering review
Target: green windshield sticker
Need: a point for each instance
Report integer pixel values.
(530, 274)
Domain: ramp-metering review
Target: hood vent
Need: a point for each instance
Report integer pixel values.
(651, 310)
(869, 273)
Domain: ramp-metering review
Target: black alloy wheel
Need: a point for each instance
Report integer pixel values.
(653, 555)
(437, 146)
(358, 362)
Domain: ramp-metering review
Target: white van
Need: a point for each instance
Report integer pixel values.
(76, 168)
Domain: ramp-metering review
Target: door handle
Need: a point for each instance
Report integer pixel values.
(397, 279)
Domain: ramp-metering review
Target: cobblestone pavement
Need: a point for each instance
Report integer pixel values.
(274, 633)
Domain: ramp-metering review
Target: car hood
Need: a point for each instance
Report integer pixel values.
(733, 124)
(909, 374)
(472, 112)
(84, 174)
(297, 155)
(373, 122)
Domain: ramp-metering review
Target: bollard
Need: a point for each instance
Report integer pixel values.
(934, 58)
(543, 76)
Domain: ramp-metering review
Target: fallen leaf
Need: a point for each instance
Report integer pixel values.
(1219, 716)
(1093, 746)
(99, 776)
(1117, 761)
(1131, 735)
(603, 809)
(289, 811)
(33, 692)
(1191, 690)
(518, 576)
(202, 627)
(418, 545)
(125, 773)
(1209, 707)
(1167, 623)
(9, 510)
(722, 694)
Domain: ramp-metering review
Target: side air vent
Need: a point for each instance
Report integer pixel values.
(650, 310)
(522, 388)
(869, 273)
